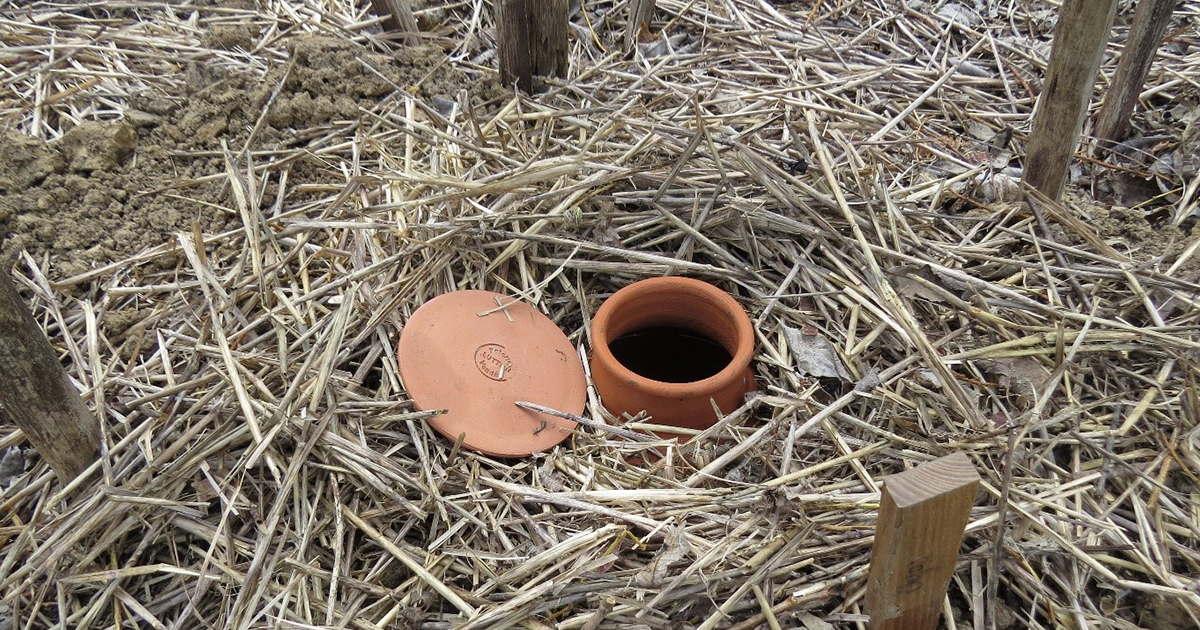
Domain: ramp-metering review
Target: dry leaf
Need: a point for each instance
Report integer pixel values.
(12, 465)
(869, 381)
(551, 479)
(815, 356)
(675, 548)
(904, 280)
(813, 622)
(997, 188)
(1023, 377)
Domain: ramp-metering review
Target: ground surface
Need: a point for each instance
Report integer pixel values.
(223, 213)
(110, 189)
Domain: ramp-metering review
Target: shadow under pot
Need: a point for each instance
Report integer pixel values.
(668, 346)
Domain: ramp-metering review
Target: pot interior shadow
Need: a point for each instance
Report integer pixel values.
(670, 354)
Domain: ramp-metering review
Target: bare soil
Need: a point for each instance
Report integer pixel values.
(107, 190)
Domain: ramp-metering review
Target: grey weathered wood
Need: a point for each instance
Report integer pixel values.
(1079, 41)
(398, 16)
(1150, 23)
(36, 393)
(532, 40)
(640, 14)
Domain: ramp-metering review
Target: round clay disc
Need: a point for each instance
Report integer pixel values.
(475, 354)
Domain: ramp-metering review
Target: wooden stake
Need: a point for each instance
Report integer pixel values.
(1145, 34)
(1079, 40)
(640, 14)
(532, 40)
(398, 17)
(37, 394)
(922, 515)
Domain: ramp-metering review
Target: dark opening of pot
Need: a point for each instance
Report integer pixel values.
(670, 354)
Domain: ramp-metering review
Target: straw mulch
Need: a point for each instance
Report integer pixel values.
(841, 169)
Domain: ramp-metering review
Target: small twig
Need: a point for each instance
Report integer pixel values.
(598, 426)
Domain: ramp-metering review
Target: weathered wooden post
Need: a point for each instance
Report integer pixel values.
(922, 515)
(640, 14)
(1145, 34)
(1079, 41)
(532, 39)
(398, 17)
(36, 393)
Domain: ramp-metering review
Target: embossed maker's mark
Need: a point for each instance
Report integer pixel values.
(493, 361)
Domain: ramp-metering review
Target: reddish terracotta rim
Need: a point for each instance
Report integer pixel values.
(691, 304)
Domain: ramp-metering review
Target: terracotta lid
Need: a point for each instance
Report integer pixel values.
(475, 354)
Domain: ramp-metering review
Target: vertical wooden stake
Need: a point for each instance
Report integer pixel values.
(922, 515)
(532, 40)
(640, 14)
(398, 17)
(1079, 40)
(36, 393)
(1145, 34)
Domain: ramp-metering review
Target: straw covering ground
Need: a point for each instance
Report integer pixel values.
(255, 198)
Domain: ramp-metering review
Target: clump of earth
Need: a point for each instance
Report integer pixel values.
(1133, 233)
(108, 190)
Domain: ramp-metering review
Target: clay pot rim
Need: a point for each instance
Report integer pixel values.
(736, 368)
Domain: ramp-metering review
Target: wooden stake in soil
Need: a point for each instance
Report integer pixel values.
(1079, 40)
(36, 393)
(532, 40)
(640, 14)
(922, 515)
(1145, 34)
(398, 16)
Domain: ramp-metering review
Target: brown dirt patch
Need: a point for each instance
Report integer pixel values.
(107, 190)
(1141, 235)
(1162, 613)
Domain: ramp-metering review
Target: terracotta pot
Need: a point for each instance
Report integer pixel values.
(668, 346)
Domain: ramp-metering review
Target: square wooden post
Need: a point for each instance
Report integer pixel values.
(532, 40)
(922, 515)
(1145, 34)
(640, 14)
(37, 394)
(398, 17)
(1079, 40)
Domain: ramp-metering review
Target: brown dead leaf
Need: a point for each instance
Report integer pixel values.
(675, 548)
(813, 622)
(914, 281)
(1024, 378)
(814, 355)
